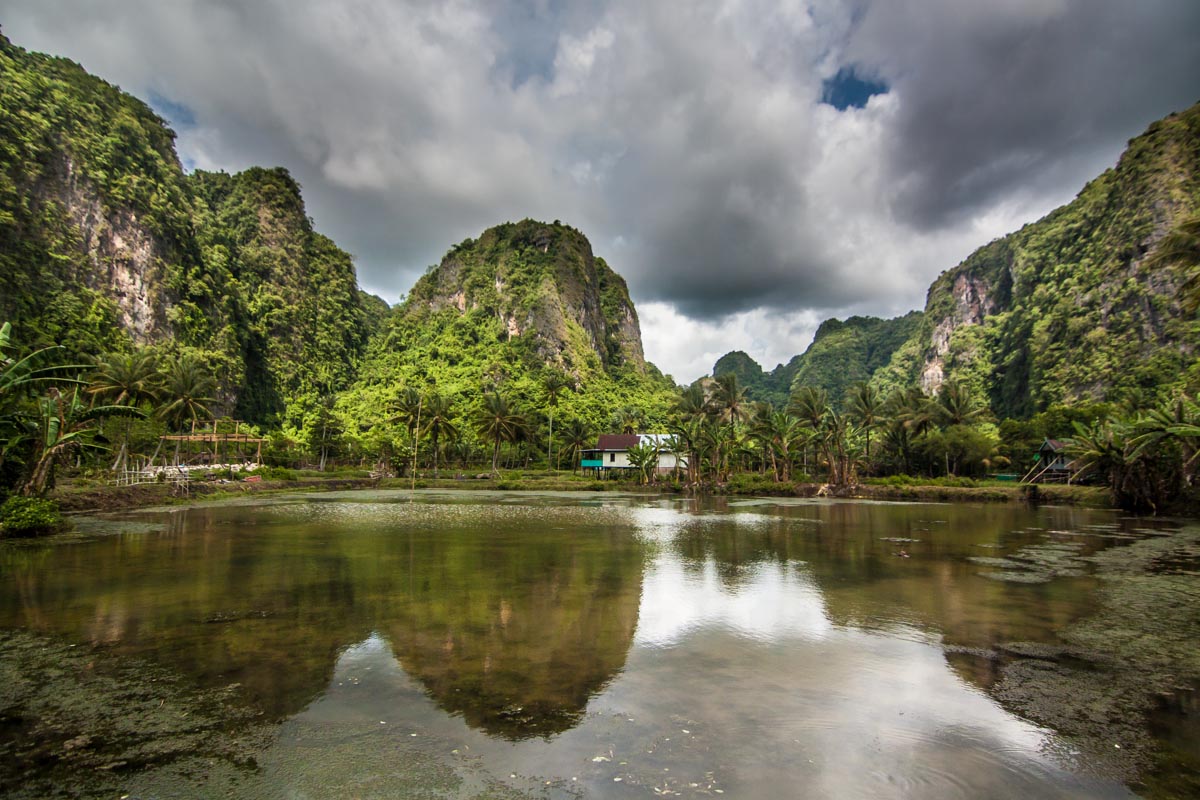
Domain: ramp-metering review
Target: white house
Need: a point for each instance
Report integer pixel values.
(612, 452)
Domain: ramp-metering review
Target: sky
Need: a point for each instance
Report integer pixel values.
(751, 168)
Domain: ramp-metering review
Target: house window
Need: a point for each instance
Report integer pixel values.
(612, 458)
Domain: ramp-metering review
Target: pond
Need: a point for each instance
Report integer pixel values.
(475, 644)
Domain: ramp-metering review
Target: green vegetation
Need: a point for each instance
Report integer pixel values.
(149, 302)
(841, 354)
(223, 269)
(1146, 458)
(29, 516)
(846, 353)
(1087, 305)
(525, 317)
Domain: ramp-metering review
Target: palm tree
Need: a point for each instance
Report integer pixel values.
(865, 407)
(1178, 422)
(406, 408)
(686, 434)
(329, 427)
(554, 384)
(1136, 481)
(691, 402)
(761, 432)
(910, 414)
(439, 423)
(644, 458)
(711, 450)
(187, 392)
(19, 378)
(914, 409)
(956, 405)
(129, 379)
(126, 378)
(810, 405)
(728, 399)
(628, 419)
(497, 422)
(673, 447)
(578, 435)
(835, 439)
(777, 431)
(727, 402)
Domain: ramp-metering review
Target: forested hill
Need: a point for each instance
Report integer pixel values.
(842, 353)
(106, 243)
(527, 311)
(1081, 306)
(544, 288)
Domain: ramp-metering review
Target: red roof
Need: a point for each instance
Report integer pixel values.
(617, 441)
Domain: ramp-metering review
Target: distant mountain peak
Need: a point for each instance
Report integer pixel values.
(542, 283)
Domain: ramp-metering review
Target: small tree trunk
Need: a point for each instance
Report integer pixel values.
(41, 474)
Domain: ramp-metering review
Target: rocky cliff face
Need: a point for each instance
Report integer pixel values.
(95, 220)
(1074, 307)
(106, 242)
(972, 303)
(543, 285)
(121, 255)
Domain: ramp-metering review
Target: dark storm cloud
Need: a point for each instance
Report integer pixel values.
(1023, 97)
(688, 141)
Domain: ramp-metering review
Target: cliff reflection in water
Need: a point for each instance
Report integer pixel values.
(512, 617)
(885, 566)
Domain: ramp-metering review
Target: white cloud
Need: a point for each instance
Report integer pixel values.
(693, 135)
(692, 346)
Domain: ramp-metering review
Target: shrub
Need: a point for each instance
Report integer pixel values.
(748, 483)
(29, 516)
(277, 473)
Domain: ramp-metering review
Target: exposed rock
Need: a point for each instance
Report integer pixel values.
(540, 281)
(972, 304)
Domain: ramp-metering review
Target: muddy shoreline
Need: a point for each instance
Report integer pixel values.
(1101, 687)
(119, 498)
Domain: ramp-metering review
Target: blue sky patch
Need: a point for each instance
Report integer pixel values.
(847, 90)
(179, 115)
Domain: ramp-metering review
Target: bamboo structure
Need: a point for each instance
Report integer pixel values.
(176, 470)
(219, 441)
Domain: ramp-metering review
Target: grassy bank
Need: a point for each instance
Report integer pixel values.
(1050, 494)
(94, 496)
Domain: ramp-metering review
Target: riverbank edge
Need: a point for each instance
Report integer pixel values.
(120, 498)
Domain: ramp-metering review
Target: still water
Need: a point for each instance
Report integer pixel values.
(535, 645)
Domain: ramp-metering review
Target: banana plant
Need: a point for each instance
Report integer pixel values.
(19, 377)
(644, 458)
(66, 423)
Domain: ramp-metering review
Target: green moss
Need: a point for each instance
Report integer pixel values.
(29, 516)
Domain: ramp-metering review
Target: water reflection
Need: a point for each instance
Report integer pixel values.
(766, 648)
(511, 617)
